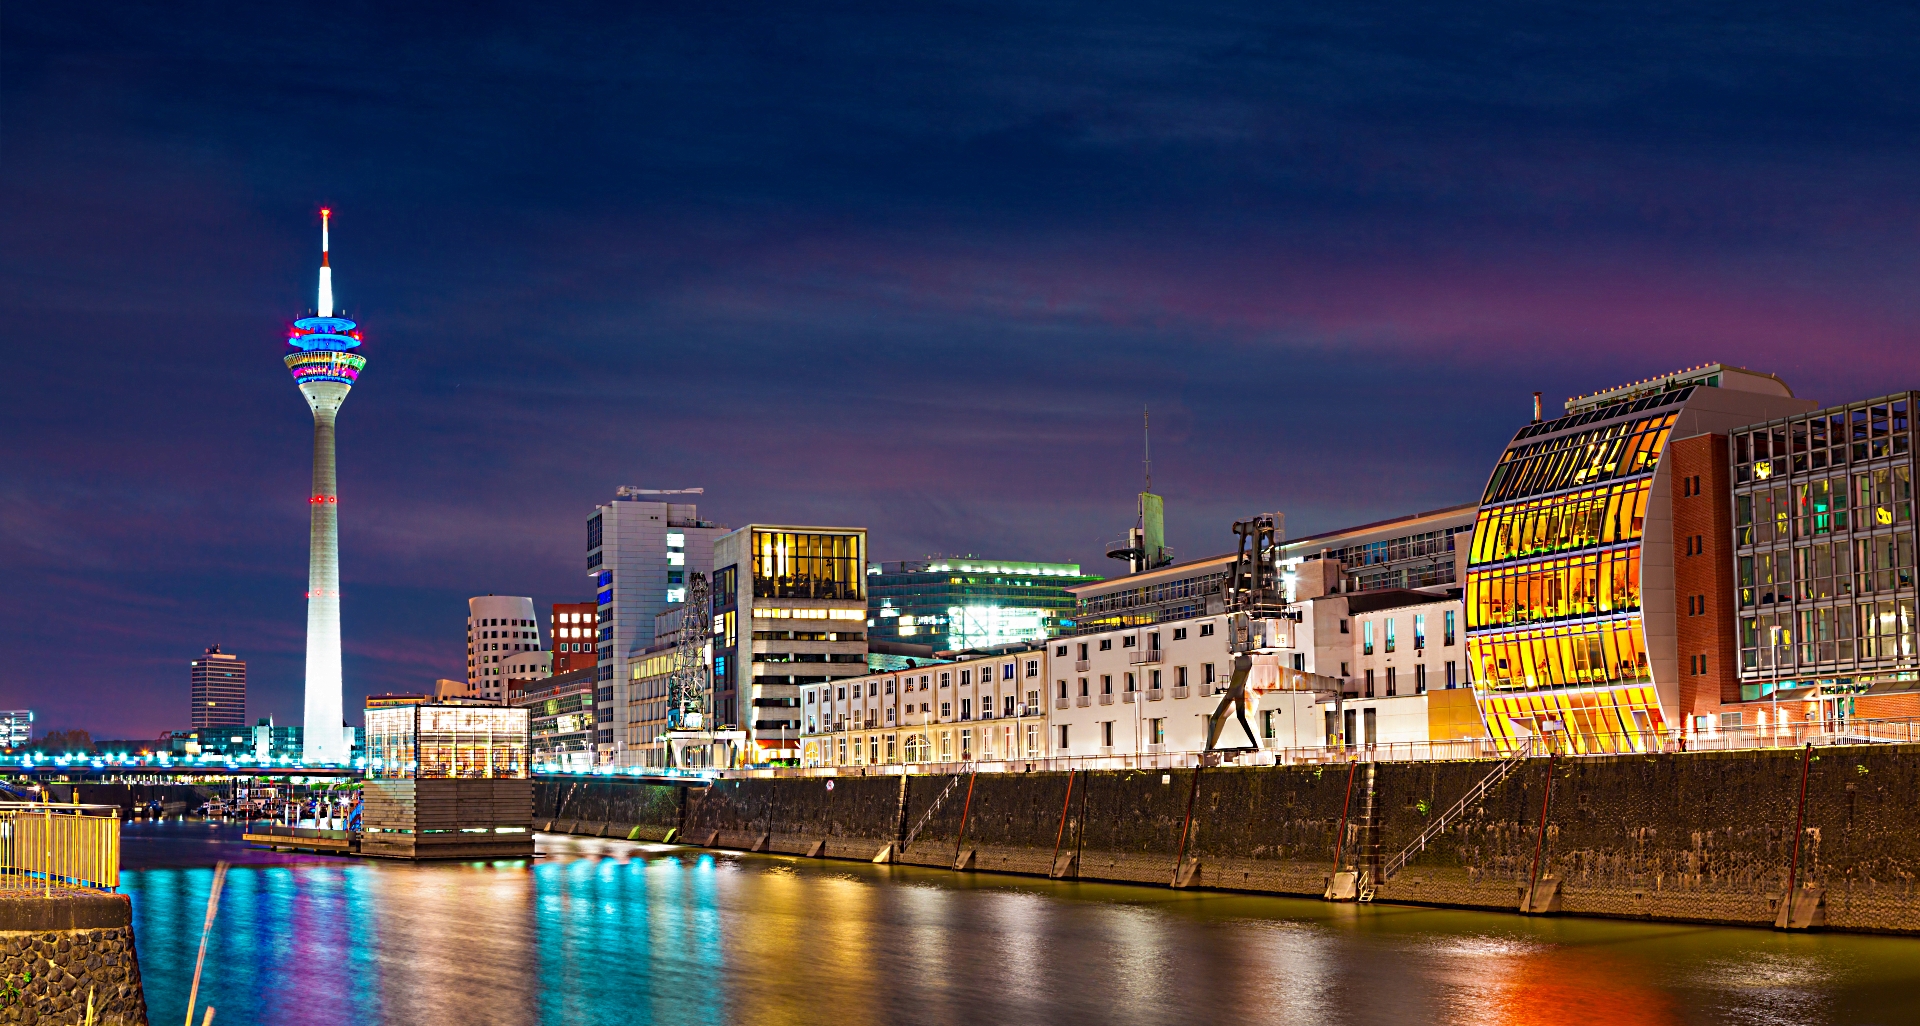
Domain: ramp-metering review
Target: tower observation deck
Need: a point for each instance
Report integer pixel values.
(325, 368)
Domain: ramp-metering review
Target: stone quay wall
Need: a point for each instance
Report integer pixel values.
(55, 951)
(1696, 837)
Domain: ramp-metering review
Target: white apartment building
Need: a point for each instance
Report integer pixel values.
(985, 708)
(640, 549)
(499, 627)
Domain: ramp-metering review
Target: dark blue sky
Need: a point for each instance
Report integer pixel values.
(915, 267)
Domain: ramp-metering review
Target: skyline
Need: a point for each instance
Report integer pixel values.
(958, 268)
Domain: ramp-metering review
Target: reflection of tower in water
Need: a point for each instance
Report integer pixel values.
(325, 368)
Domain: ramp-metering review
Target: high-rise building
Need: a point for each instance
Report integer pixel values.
(499, 628)
(16, 727)
(325, 368)
(575, 632)
(640, 549)
(219, 690)
(1572, 604)
(789, 609)
(963, 602)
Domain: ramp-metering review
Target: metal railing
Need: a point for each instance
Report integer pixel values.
(1562, 745)
(45, 845)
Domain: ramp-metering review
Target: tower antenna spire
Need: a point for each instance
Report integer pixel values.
(325, 308)
(1146, 442)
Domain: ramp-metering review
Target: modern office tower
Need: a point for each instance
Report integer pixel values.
(789, 609)
(960, 603)
(1572, 606)
(219, 690)
(1821, 554)
(640, 549)
(16, 727)
(575, 632)
(499, 627)
(325, 369)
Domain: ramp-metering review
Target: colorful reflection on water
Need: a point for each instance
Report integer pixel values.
(613, 932)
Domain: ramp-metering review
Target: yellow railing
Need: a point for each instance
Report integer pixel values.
(44, 846)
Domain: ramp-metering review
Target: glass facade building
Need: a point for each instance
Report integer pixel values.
(955, 604)
(1569, 596)
(1824, 548)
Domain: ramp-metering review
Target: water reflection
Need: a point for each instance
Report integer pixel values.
(616, 932)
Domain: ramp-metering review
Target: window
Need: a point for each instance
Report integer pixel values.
(843, 692)
(1007, 709)
(966, 708)
(1419, 678)
(1153, 641)
(1206, 673)
(1266, 724)
(1300, 661)
(810, 696)
(1453, 680)
(1419, 631)
(1343, 670)
(1156, 680)
(946, 680)
(873, 688)
(1369, 691)
(946, 709)
(1083, 650)
(790, 564)
(1083, 687)
(1106, 644)
(1343, 625)
(1063, 691)
(1006, 672)
(1106, 733)
(1179, 634)
(1106, 683)
(1179, 676)
(1366, 637)
(1449, 628)
(1390, 624)
(1033, 697)
(1063, 737)
(1206, 630)
(889, 685)
(1392, 686)
(889, 743)
(1127, 642)
(1033, 668)
(1060, 650)
(966, 677)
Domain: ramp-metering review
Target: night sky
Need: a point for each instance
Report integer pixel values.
(916, 267)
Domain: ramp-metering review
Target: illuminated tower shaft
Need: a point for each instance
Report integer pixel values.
(325, 371)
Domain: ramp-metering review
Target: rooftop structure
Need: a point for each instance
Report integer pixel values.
(954, 604)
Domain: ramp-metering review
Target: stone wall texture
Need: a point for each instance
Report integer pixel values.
(1697, 837)
(55, 951)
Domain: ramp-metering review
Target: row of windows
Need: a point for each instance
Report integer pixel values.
(1419, 632)
(1132, 682)
(1843, 633)
(790, 564)
(1609, 412)
(1812, 508)
(1392, 678)
(1865, 432)
(1559, 589)
(1827, 570)
(1609, 652)
(1566, 523)
(1008, 742)
(1412, 546)
(1588, 458)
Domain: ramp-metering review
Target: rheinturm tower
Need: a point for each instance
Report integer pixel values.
(325, 367)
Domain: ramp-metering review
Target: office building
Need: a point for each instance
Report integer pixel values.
(325, 369)
(982, 708)
(275, 743)
(964, 602)
(1820, 548)
(16, 727)
(641, 547)
(1572, 606)
(219, 690)
(561, 719)
(575, 632)
(789, 609)
(499, 627)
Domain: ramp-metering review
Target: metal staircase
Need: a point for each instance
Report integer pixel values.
(1441, 822)
(938, 799)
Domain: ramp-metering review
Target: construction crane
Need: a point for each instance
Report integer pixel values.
(1260, 624)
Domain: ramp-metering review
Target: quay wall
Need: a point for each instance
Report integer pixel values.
(1696, 837)
(55, 951)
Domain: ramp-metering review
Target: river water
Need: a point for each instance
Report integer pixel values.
(616, 932)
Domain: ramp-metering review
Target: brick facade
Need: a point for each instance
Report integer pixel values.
(1703, 574)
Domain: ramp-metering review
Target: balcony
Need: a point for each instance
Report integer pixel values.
(1083, 701)
(1151, 655)
(1155, 695)
(1179, 692)
(1127, 697)
(1082, 665)
(1059, 703)
(1106, 698)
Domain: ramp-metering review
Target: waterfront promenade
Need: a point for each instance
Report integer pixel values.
(605, 932)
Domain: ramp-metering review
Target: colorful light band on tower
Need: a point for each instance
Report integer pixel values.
(325, 365)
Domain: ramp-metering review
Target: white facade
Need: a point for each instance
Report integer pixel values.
(640, 549)
(1139, 690)
(983, 709)
(499, 628)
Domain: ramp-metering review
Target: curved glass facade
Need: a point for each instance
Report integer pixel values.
(1553, 590)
